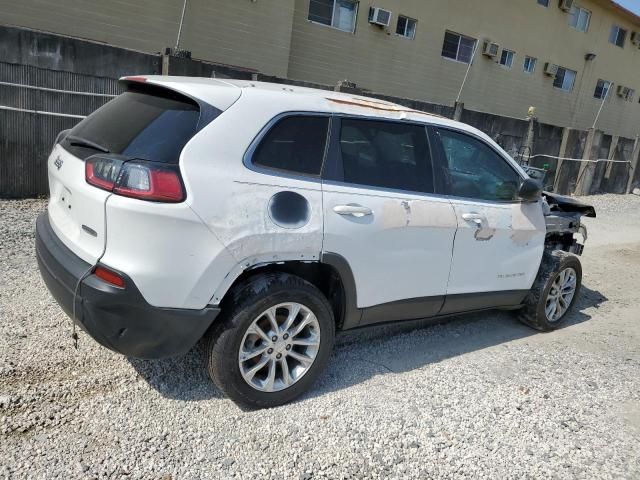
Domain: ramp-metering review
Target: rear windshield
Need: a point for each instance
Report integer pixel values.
(152, 126)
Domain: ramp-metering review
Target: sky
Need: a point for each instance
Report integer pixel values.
(633, 5)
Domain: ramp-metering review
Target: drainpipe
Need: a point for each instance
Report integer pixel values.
(458, 107)
(606, 95)
(184, 9)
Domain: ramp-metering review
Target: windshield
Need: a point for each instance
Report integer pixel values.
(151, 126)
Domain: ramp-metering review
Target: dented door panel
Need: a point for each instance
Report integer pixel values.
(401, 250)
(498, 246)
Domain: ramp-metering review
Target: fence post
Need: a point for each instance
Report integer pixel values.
(165, 64)
(528, 141)
(612, 153)
(634, 163)
(566, 131)
(458, 108)
(585, 175)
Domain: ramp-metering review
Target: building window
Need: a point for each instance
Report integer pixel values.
(602, 89)
(458, 47)
(544, 3)
(632, 92)
(529, 64)
(506, 58)
(617, 35)
(406, 27)
(565, 79)
(628, 94)
(340, 14)
(579, 18)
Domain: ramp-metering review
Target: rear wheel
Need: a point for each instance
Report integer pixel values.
(273, 341)
(554, 291)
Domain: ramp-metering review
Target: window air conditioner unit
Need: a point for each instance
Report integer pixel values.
(550, 69)
(623, 91)
(635, 39)
(566, 5)
(379, 16)
(490, 49)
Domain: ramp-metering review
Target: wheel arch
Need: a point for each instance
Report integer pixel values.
(330, 273)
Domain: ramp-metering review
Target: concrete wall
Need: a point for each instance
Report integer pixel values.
(380, 60)
(66, 64)
(254, 35)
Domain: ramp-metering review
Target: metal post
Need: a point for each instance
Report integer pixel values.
(464, 80)
(606, 95)
(184, 8)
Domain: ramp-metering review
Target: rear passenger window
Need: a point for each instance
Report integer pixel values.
(295, 144)
(386, 154)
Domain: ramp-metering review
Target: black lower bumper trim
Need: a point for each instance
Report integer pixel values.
(118, 318)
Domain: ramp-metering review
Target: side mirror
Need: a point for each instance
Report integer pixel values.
(530, 190)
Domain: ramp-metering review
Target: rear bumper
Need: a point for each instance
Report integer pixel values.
(117, 318)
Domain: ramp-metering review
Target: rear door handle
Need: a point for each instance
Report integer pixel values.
(476, 218)
(353, 210)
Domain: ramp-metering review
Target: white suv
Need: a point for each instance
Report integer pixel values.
(269, 217)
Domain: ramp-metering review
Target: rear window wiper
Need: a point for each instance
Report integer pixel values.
(83, 142)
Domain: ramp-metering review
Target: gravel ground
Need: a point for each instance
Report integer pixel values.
(478, 397)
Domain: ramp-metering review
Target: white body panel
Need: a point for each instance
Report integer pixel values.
(233, 200)
(402, 250)
(188, 255)
(497, 247)
(74, 203)
(168, 252)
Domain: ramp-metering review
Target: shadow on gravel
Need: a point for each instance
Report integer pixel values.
(362, 354)
(179, 378)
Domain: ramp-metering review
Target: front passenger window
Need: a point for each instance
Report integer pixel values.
(475, 170)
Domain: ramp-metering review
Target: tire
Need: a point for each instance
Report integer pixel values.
(249, 303)
(552, 266)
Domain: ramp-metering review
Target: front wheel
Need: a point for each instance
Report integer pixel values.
(273, 341)
(554, 291)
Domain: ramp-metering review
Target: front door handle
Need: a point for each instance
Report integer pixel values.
(477, 218)
(353, 210)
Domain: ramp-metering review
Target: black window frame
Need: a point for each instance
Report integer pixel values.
(602, 92)
(356, 4)
(544, 3)
(255, 143)
(443, 164)
(460, 36)
(621, 35)
(334, 168)
(407, 20)
(564, 72)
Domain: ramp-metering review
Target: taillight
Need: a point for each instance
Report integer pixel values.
(102, 171)
(135, 178)
(149, 181)
(109, 276)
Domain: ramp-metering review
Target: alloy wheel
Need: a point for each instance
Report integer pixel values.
(279, 347)
(561, 294)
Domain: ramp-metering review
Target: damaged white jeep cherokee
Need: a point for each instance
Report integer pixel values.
(269, 217)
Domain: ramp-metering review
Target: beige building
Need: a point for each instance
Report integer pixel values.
(560, 56)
